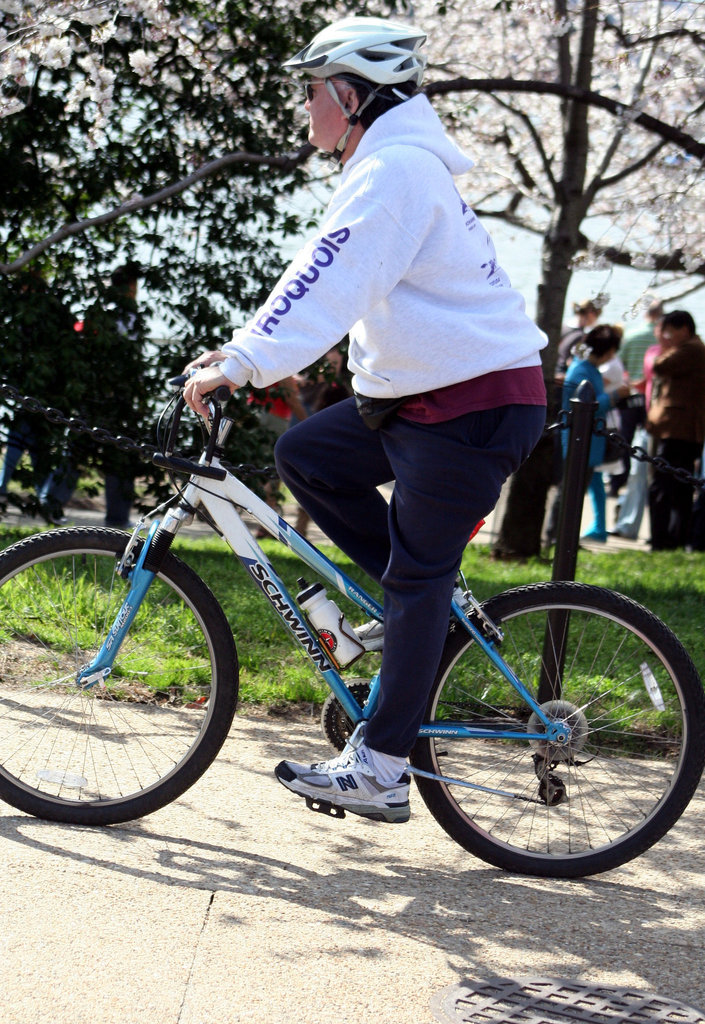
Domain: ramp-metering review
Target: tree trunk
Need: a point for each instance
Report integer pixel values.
(520, 532)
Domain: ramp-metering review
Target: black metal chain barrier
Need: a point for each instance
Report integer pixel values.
(601, 429)
(101, 436)
(635, 452)
(583, 424)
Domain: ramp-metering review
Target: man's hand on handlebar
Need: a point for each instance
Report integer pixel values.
(205, 379)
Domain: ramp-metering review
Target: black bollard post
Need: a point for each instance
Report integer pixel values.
(575, 477)
(582, 418)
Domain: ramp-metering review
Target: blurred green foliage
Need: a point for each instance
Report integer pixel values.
(209, 255)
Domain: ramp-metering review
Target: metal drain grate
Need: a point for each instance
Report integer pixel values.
(555, 1001)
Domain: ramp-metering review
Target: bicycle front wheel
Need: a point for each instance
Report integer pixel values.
(633, 700)
(124, 747)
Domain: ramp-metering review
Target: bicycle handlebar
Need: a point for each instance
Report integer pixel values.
(215, 400)
(221, 394)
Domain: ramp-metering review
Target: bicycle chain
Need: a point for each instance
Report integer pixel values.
(75, 425)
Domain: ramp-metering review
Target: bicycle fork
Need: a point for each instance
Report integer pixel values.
(97, 671)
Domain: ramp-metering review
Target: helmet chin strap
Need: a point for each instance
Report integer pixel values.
(337, 155)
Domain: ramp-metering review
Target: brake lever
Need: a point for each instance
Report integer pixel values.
(221, 394)
(215, 400)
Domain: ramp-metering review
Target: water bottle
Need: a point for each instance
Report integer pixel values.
(331, 625)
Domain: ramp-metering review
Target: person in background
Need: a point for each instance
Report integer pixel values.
(637, 340)
(324, 386)
(112, 337)
(37, 334)
(277, 407)
(587, 313)
(632, 411)
(634, 499)
(676, 421)
(599, 346)
(613, 375)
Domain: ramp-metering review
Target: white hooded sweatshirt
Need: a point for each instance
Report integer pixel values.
(403, 265)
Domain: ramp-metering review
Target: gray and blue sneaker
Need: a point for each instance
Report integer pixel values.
(347, 783)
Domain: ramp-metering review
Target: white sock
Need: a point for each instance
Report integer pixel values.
(387, 767)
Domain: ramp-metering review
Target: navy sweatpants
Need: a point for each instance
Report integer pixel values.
(447, 477)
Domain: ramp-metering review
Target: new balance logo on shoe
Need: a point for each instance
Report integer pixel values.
(346, 782)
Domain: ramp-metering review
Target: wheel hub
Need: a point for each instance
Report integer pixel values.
(567, 739)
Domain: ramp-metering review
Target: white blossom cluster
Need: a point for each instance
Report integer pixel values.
(51, 34)
(647, 196)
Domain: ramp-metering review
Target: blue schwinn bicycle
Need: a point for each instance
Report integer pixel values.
(564, 735)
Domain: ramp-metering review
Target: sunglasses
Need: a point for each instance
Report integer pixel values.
(310, 86)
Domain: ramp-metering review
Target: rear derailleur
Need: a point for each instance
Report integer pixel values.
(552, 789)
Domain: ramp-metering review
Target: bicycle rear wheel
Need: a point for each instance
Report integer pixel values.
(635, 705)
(123, 748)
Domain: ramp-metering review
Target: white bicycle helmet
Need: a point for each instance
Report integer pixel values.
(384, 52)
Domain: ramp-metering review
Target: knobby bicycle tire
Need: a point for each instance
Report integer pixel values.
(635, 705)
(128, 745)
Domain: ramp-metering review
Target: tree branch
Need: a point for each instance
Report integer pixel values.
(590, 98)
(632, 168)
(283, 163)
(675, 261)
(538, 142)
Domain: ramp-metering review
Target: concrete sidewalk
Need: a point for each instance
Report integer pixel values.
(236, 904)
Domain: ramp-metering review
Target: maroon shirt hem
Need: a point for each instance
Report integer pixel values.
(521, 386)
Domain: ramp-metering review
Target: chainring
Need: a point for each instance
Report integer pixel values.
(335, 724)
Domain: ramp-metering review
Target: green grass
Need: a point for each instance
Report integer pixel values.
(671, 584)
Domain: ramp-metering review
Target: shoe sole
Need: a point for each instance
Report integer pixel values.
(391, 813)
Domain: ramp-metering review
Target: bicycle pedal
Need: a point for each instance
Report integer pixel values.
(323, 807)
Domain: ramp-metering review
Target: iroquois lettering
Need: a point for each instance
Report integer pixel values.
(322, 256)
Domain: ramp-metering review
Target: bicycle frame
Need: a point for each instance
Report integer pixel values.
(224, 500)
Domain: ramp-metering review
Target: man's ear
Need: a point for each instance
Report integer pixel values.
(350, 100)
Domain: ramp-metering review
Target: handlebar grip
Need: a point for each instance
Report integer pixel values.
(221, 394)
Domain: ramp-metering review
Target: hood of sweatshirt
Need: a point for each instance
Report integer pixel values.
(412, 123)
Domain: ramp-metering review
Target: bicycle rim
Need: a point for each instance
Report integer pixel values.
(633, 700)
(123, 747)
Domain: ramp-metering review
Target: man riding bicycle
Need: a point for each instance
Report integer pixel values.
(446, 370)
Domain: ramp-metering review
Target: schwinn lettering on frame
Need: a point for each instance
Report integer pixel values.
(271, 591)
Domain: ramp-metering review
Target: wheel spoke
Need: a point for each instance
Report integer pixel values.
(630, 766)
(125, 741)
